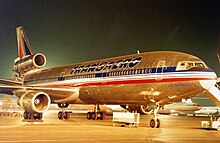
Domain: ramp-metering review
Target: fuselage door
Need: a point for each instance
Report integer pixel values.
(161, 66)
(61, 78)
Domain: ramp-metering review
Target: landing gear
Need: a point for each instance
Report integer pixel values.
(97, 114)
(155, 122)
(35, 116)
(63, 114)
(63, 105)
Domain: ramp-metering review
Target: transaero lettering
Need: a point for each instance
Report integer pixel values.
(112, 65)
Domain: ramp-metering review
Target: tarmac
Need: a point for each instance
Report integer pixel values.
(174, 129)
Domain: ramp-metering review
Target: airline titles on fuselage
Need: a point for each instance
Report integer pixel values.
(107, 65)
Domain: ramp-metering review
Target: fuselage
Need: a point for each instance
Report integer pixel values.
(161, 77)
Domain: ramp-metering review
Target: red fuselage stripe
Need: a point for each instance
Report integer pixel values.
(134, 81)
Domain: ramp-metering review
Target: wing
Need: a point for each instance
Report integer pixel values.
(11, 86)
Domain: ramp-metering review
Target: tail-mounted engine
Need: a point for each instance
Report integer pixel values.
(28, 63)
(35, 102)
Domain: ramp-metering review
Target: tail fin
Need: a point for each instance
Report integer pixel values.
(24, 47)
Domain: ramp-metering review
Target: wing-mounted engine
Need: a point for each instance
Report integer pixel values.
(35, 102)
(29, 63)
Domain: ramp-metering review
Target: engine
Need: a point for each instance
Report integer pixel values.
(29, 63)
(32, 102)
(142, 109)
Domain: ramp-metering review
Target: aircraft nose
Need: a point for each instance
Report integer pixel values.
(209, 80)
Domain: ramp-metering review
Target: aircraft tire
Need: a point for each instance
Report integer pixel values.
(35, 116)
(27, 115)
(89, 115)
(66, 115)
(63, 105)
(218, 128)
(94, 115)
(158, 123)
(60, 115)
(152, 123)
(40, 116)
(100, 116)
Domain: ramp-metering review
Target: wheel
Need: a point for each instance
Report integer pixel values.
(94, 115)
(27, 115)
(100, 116)
(40, 116)
(158, 123)
(218, 128)
(60, 115)
(35, 116)
(152, 123)
(66, 115)
(63, 105)
(89, 115)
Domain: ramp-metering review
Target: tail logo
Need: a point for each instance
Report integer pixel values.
(24, 47)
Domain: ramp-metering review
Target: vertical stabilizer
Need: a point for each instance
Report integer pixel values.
(24, 47)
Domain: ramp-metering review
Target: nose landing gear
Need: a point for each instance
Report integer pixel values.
(155, 122)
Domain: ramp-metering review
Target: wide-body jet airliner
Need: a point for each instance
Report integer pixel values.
(138, 82)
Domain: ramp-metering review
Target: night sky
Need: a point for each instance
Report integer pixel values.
(71, 31)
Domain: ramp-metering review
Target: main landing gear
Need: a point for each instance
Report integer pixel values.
(97, 114)
(34, 116)
(63, 114)
(155, 122)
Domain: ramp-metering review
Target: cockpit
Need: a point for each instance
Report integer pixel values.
(185, 65)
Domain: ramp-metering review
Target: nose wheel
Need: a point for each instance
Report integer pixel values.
(155, 122)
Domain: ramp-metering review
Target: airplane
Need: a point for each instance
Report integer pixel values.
(184, 107)
(207, 110)
(143, 81)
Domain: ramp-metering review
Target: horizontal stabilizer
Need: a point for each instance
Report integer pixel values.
(214, 95)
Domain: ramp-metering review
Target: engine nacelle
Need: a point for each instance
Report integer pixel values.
(142, 109)
(35, 102)
(29, 63)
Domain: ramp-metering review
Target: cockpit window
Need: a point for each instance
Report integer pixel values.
(184, 65)
(199, 65)
(189, 65)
